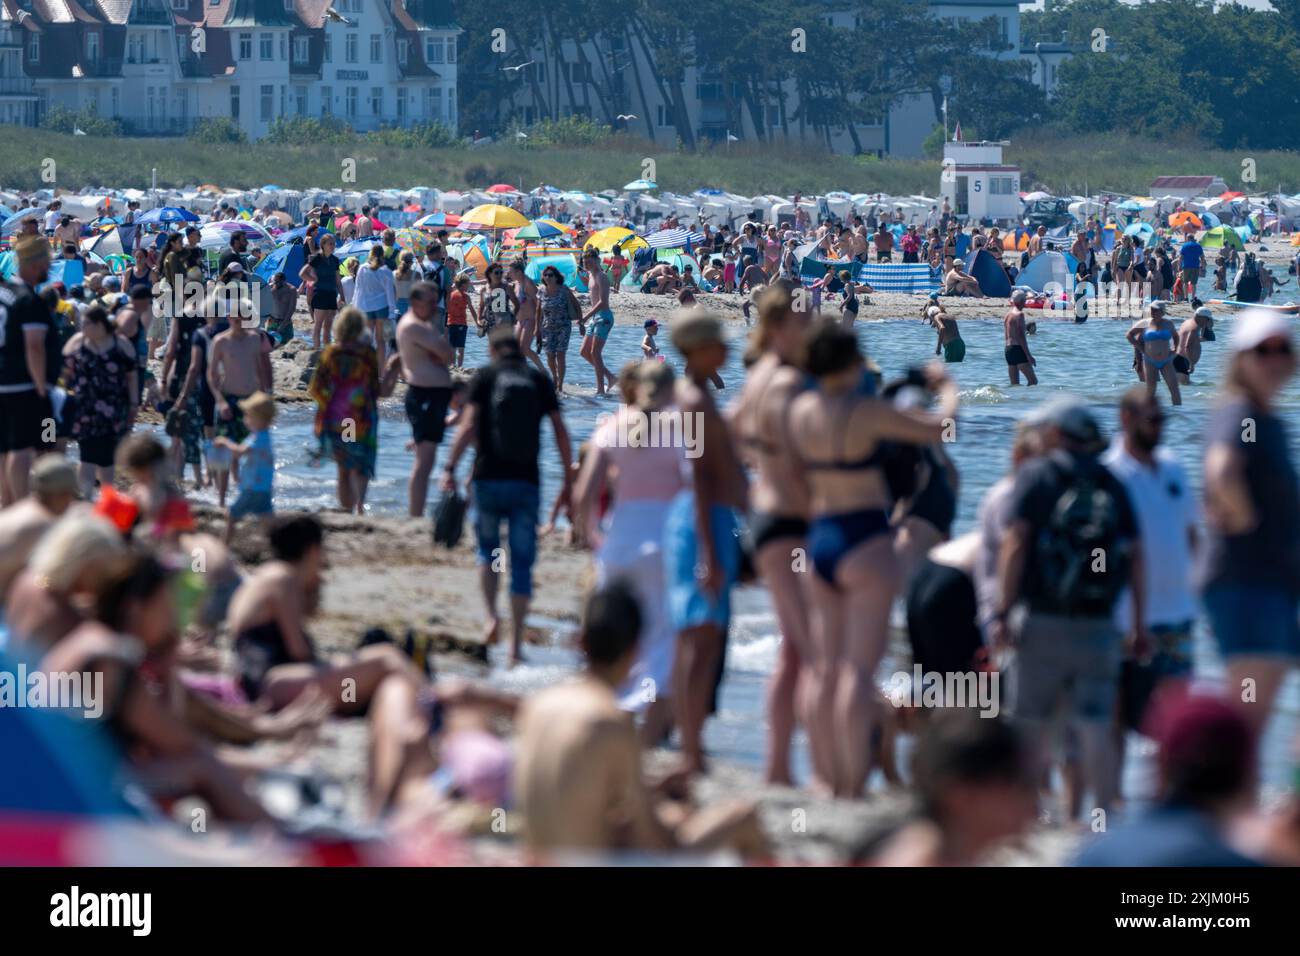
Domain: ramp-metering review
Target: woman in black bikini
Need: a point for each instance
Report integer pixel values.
(838, 434)
(778, 524)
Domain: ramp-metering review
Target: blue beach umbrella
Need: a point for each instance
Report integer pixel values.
(1139, 229)
(167, 214)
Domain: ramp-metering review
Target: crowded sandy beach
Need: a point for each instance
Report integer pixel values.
(832, 529)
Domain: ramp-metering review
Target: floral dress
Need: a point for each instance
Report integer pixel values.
(345, 387)
(557, 324)
(102, 406)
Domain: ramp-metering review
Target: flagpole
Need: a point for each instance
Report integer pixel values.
(945, 119)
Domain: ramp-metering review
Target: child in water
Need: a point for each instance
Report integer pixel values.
(648, 347)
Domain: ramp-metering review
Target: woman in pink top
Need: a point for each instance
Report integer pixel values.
(771, 252)
(638, 455)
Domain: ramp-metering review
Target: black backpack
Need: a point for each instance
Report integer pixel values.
(513, 434)
(1084, 521)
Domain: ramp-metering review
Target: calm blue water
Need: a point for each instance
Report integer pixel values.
(1091, 360)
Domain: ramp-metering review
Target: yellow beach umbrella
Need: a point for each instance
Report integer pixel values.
(606, 239)
(494, 216)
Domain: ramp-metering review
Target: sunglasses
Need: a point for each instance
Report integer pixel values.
(1265, 350)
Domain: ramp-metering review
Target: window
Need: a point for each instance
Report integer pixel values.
(284, 100)
(773, 116)
(301, 49)
(403, 49)
(352, 102)
(377, 100)
(350, 48)
(92, 47)
(117, 102)
(1051, 75)
(433, 51)
(326, 100)
(180, 4)
(134, 48)
(284, 47)
(451, 51)
(401, 103)
(328, 52)
(300, 100)
(268, 102)
(1001, 186)
(246, 46)
(288, 6)
(451, 106)
(266, 46)
(34, 48)
(433, 103)
(663, 116)
(376, 48)
(234, 102)
(579, 72)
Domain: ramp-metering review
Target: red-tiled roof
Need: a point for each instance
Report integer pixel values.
(1182, 182)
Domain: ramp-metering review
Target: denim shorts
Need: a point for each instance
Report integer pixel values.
(515, 502)
(1251, 620)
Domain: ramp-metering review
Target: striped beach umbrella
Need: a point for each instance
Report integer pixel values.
(673, 239)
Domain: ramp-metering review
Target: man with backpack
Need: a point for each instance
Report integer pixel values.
(503, 415)
(1069, 552)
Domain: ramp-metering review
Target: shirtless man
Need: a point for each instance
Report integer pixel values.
(53, 489)
(752, 278)
(424, 352)
(238, 366)
(960, 282)
(1017, 342)
(601, 318)
(702, 554)
(1187, 351)
(578, 777)
(950, 342)
(1035, 246)
(527, 316)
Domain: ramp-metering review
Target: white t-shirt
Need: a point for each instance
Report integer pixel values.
(52, 220)
(1163, 503)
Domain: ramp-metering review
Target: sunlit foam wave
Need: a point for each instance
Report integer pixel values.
(982, 395)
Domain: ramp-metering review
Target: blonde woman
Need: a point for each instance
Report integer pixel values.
(346, 387)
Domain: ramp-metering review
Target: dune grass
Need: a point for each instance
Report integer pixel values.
(1059, 164)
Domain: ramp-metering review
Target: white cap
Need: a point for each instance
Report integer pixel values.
(1258, 325)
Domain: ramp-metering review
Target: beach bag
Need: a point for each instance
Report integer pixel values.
(449, 519)
(513, 433)
(1082, 529)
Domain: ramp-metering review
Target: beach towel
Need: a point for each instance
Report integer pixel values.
(916, 278)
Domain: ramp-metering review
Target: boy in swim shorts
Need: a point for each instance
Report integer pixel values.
(602, 320)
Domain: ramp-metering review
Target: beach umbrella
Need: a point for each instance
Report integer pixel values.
(1130, 205)
(501, 188)
(438, 220)
(538, 230)
(1222, 236)
(1139, 229)
(358, 247)
(1180, 219)
(14, 221)
(410, 240)
(228, 227)
(641, 185)
(1035, 196)
(567, 230)
(606, 239)
(1231, 194)
(471, 257)
(1210, 220)
(493, 216)
(167, 214)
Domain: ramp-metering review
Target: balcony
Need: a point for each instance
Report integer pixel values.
(15, 86)
(192, 67)
(102, 67)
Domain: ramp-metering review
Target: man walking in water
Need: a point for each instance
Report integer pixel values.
(1017, 342)
(1199, 328)
(701, 551)
(425, 353)
(601, 317)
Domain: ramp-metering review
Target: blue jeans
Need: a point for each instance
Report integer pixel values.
(516, 502)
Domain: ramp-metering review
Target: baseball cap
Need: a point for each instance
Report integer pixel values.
(1258, 325)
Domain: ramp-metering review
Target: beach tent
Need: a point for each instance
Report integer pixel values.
(683, 259)
(1222, 237)
(988, 272)
(1047, 268)
(567, 266)
(288, 259)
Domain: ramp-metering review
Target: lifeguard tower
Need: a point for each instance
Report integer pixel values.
(978, 185)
